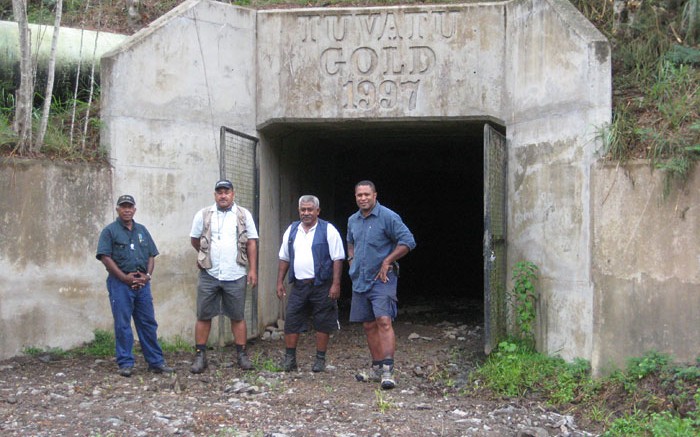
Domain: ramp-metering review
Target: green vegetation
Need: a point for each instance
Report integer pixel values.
(177, 344)
(655, 56)
(656, 79)
(651, 397)
(103, 345)
(524, 298)
(267, 364)
(383, 404)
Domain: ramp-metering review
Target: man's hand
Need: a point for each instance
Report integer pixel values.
(136, 280)
(252, 278)
(281, 291)
(383, 270)
(334, 291)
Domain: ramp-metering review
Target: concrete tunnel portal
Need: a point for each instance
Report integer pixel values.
(430, 172)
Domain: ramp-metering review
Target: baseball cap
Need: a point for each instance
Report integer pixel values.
(224, 183)
(125, 198)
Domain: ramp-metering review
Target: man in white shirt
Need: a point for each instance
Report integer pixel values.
(312, 253)
(225, 238)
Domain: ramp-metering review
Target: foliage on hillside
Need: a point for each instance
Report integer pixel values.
(656, 75)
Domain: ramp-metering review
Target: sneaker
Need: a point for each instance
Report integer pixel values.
(244, 362)
(290, 363)
(388, 377)
(374, 375)
(319, 365)
(125, 371)
(200, 362)
(160, 368)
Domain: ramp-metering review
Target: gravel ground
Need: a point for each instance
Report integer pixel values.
(50, 395)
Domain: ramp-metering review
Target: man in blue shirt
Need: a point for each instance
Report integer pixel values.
(128, 252)
(377, 238)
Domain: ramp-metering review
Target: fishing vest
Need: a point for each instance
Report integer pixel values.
(204, 256)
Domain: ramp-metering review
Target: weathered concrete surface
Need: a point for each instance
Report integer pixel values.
(552, 121)
(428, 61)
(646, 267)
(165, 93)
(52, 289)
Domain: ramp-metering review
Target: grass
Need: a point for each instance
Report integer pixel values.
(383, 404)
(656, 103)
(103, 345)
(267, 364)
(652, 396)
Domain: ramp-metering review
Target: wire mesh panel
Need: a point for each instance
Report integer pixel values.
(239, 165)
(495, 275)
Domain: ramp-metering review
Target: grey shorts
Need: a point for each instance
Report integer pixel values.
(307, 300)
(378, 301)
(216, 297)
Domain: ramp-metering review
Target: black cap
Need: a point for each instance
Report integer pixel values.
(224, 183)
(126, 199)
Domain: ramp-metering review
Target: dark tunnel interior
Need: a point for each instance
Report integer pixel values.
(431, 174)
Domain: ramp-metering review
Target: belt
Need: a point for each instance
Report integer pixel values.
(305, 281)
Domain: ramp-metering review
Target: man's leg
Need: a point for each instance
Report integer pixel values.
(240, 338)
(290, 354)
(383, 296)
(122, 304)
(207, 307)
(147, 327)
(201, 331)
(385, 337)
(373, 340)
(321, 347)
(239, 330)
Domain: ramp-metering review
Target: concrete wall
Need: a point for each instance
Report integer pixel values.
(52, 289)
(552, 121)
(165, 94)
(646, 267)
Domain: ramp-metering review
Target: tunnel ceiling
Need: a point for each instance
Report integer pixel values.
(342, 131)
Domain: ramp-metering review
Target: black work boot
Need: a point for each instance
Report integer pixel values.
(199, 363)
(319, 365)
(243, 361)
(290, 363)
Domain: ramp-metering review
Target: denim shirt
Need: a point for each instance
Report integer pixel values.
(374, 237)
(130, 249)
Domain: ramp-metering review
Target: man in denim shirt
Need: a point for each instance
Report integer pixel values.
(128, 253)
(377, 238)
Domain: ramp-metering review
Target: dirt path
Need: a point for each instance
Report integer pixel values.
(48, 396)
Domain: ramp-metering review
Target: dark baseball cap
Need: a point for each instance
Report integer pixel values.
(126, 198)
(224, 183)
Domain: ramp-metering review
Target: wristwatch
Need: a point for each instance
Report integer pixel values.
(350, 258)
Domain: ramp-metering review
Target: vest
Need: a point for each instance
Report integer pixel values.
(323, 264)
(204, 256)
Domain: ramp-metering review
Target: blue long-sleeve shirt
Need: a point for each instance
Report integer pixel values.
(374, 237)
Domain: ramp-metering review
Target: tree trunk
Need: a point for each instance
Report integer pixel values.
(24, 98)
(48, 95)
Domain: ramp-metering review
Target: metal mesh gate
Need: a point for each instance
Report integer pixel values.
(239, 165)
(495, 275)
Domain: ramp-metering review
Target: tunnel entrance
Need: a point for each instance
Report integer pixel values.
(429, 172)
